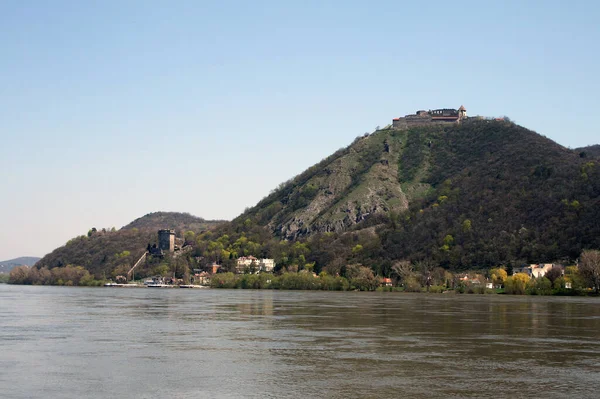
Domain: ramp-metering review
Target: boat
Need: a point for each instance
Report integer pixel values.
(192, 286)
(158, 285)
(157, 282)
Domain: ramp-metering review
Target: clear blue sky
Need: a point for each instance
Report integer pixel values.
(113, 109)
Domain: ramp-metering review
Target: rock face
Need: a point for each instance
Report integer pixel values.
(354, 184)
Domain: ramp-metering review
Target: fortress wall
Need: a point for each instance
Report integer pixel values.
(399, 124)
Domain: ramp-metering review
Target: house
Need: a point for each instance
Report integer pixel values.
(202, 278)
(536, 271)
(254, 264)
(386, 282)
(540, 270)
(470, 280)
(266, 265)
(244, 263)
(212, 269)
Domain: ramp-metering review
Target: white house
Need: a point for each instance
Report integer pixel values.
(537, 271)
(244, 262)
(266, 265)
(260, 265)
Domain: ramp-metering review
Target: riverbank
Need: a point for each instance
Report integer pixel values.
(324, 282)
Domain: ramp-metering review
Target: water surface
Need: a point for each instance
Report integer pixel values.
(60, 342)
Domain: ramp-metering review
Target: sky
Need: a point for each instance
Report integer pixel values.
(111, 110)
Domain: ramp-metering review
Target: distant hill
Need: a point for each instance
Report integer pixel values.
(172, 220)
(592, 151)
(103, 252)
(7, 265)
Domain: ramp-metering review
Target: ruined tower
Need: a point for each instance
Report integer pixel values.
(166, 240)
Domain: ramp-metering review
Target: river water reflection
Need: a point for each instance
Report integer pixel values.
(59, 342)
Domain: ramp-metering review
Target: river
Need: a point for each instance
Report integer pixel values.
(62, 342)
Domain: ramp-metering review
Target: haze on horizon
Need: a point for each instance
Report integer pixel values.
(113, 110)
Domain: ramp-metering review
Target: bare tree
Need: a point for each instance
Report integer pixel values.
(426, 267)
(589, 268)
(402, 269)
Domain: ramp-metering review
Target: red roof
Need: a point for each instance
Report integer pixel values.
(462, 108)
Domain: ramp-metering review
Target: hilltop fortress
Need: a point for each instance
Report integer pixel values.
(437, 116)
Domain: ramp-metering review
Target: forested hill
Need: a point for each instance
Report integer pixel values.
(106, 252)
(477, 194)
(172, 220)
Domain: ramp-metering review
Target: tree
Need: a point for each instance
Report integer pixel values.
(189, 237)
(516, 284)
(19, 275)
(467, 225)
(554, 273)
(509, 269)
(539, 286)
(362, 278)
(589, 268)
(402, 269)
(498, 276)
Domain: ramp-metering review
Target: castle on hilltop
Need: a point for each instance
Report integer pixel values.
(438, 116)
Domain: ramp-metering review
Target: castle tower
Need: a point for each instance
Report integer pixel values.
(462, 112)
(166, 240)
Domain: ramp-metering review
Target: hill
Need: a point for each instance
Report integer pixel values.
(180, 222)
(477, 194)
(591, 151)
(105, 252)
(7, 265)
(469, 196)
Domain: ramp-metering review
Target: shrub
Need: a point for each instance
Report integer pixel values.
(539, 286)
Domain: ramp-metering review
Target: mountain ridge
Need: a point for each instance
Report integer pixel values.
(7, 265)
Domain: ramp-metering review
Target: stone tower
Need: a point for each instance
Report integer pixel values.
(166, 240)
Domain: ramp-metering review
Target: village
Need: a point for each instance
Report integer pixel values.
(402, 277)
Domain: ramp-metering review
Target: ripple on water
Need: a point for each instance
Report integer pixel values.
(76, 342)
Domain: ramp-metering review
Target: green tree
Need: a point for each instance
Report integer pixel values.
(539, 286)
(467, 225)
